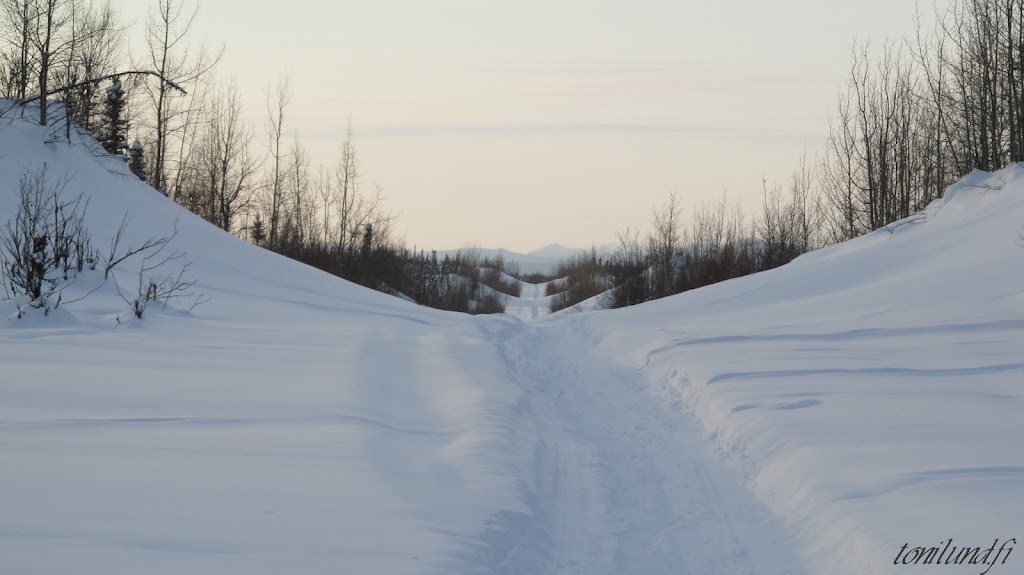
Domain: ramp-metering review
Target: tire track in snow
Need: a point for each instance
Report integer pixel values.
(623, 481)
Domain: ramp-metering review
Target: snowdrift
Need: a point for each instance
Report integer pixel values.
(296, 423)
(870, 392)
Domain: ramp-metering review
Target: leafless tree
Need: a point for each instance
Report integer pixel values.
(303, 210)
(324, 187)
(277, 106)
(878, 166)
(167, 28)
(50, 36)
(347, 188)
(221, 177)
(97, 52)
(807, 206)
(629, 270)
(664, 245)
(16, 26)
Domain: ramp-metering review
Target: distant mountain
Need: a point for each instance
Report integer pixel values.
(555, 251)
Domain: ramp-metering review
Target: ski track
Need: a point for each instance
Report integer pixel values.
(531, 304)
(624, 480)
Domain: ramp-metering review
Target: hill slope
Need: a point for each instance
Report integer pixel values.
(871, 391)
(295, 423)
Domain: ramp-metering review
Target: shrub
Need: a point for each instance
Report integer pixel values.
(46, 244)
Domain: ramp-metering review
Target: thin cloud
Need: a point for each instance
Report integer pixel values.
(582, 128)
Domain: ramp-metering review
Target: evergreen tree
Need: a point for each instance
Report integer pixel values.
(367, 241)
(136, 161)
(258, 233)
(115, 125)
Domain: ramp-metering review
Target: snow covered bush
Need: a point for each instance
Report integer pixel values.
(46, 245)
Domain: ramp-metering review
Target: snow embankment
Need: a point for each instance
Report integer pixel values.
(296, 423)
(870, 392)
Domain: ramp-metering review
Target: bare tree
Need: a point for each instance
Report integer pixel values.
(879, 166)
(167, 27)
(629, 270)
(807, 206)
(303, 212)
(50, 35)
(221, 177)
(347, 188)
(324, 187)
(277, 106)
(16, 26)
(97, 52)
(664, 245)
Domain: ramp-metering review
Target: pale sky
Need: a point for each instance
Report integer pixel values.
(518, 124)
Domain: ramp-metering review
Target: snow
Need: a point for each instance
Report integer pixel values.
(870, 393)
(810, 419)
(593, 303)
(531, 303)
(296, 423)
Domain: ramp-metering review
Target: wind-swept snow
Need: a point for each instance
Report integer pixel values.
(811, 419)
(870, 392)
(296, 423)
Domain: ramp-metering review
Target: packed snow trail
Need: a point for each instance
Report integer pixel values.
(624, 481)
(531, 303)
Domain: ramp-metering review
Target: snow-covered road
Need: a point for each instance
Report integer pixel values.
(531, 304)
(624, 481)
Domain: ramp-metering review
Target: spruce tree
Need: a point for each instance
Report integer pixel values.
(258, 233)
(136, 161)
(115, 126)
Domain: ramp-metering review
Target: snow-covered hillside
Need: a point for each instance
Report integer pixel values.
(811, 419)
(871, 393)
(295, 423)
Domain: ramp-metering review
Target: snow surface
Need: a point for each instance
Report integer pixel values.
(811, 419)
(531, 303)
(870, 393)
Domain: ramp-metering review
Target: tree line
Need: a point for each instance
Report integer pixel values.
(719, 243)
(196, 147)
(917, 114)
(914, 116)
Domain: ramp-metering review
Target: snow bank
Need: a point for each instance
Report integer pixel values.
(297, 423)
(870, 392)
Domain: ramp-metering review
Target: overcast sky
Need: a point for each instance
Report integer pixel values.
(518, 124)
